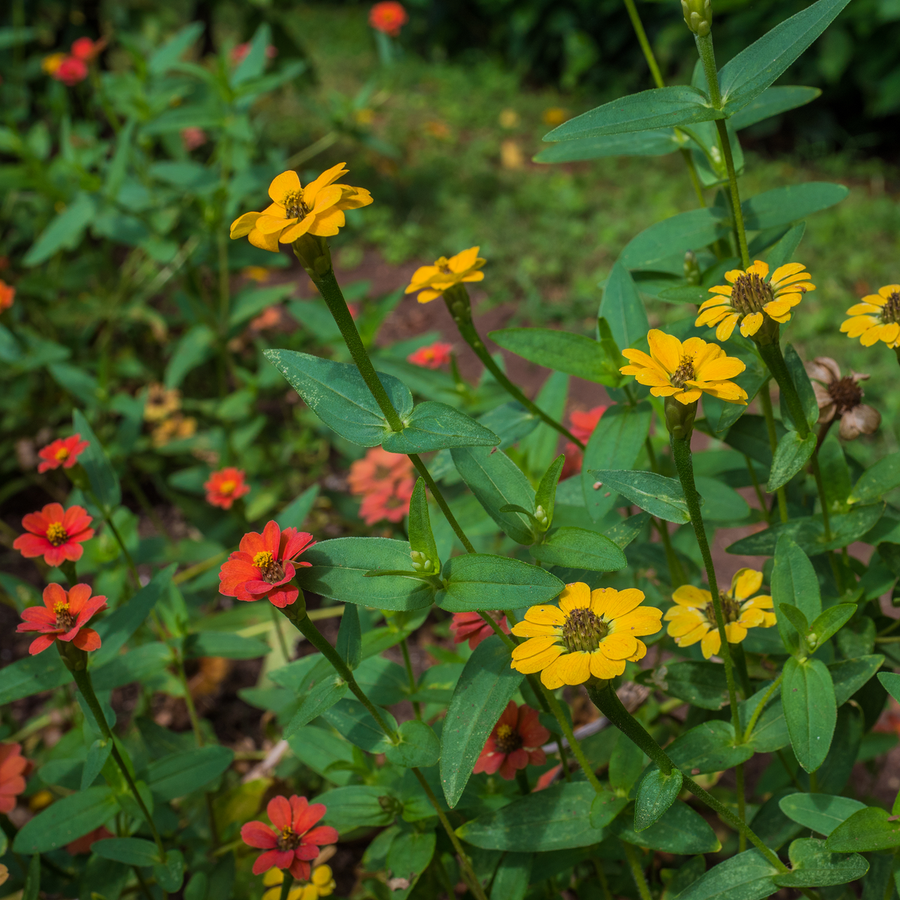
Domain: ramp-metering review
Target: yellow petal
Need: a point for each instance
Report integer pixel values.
(289, 235)
(533, 647)
(603, 667)
(610, 603)
(890, 332)
(726, 290)
(761, 601)
(688, 595)
(735, 632)
(720, 369)
(887, 290)
(872, 336)
(758, 268)
(688, 396)
(859, 309)
(544, 615)
(783, 272)
(537, 663)
(750, 618)
(311, 191)
(619, 645)
(746, 583)
(264, 241)
(530, 630)
(751, 324)
(640, 653)
(575, 596)
(665, 348)
(428, 295)
(464, 260)
(474, 276)
(685, 625)
(710, 644)
(243, 225)
(573, 668)
(282, 185)
(326, 198)
(645, 620)
(272, 224)
(328, 223)
(726, 327)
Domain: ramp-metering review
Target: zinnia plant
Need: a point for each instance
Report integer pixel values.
(13, 768)
(62, 452)
(55, 533)
(225, 486)
(63, 617)
(876, 318)
(515, 743)
(432, 281)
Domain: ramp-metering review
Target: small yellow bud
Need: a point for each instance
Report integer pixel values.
(698, 16)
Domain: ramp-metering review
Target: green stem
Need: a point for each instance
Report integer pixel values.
(681, 451)
(441, 501)
(609, 704)
(708, 60)
(740, 788)
(282, 642)
(740, 662)
(83, 682)
(637, 871)
(574, 745)
(765, 401)
(107, 517)
(411, 676)
(826, 519)
(758, 490)
(758, 711)
(646, 49)
(286, 885)
(774, 359)
(676, 572)
(601, 877)
(738, 213)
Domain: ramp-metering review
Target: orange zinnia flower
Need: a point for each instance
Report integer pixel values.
(55, 534)
(63, 616)
(13, 768)
(226, 486)
(7, 295)
(391, 503)
(264, 565)
(62, 452)
(582, 425)
(431, 357)
(388, 17)
(471, 627)
(514, 743)
(293, 842)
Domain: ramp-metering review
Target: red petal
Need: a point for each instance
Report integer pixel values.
(79, 594)
(251, 543)
(31, 545)
(265, 861)
(297, 543)
(54, 594)
(509, 716)
(76, 519)
(537, 757)
(272, 538)
(94, 605)
(322, 835)
(87, 639)
(518, 759)
(493, 762)
(39, 615)
(285, 597)
(306, 852)
(256, 834)
(307, 816)
(39, 644)
(279, 811)
(300, 870)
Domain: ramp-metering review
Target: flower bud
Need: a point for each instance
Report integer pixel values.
(691, 268)
(680, 418)
(697, 16)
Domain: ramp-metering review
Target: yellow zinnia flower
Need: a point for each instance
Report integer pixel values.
(686, 370)
(317, 209)
(432, 281)
(749, 298)
(320, 884)
(693, 618)
(590, 634)
(876, 318)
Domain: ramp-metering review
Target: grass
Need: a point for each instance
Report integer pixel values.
(459, 173)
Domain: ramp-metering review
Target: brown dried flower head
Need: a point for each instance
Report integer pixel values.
(840, 398)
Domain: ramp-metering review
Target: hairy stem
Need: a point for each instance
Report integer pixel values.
(637, 871)
(765, 401)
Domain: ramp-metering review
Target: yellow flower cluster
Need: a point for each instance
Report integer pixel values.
(432, 281)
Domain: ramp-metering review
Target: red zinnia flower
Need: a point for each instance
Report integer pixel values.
(63, 615)
(225, 486)
(470, 626)
(582, 426)
(377, 468)
(55, 534)
(388, 17)
(514, 743)
(62, 452)
(391, 503)
(295, 842)
(264, 565)
(13, 768)
(71, 71)
(87, 50)
(7, 295)
(431, 357)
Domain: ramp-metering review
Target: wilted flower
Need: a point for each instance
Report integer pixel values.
(264, 565)
(876, 318)
(226, 486)
(294, 842)
(471, 627)
(686, 370)
(514, 743)
(431, 357)
(750, 297)
(432, 281)
(62, 452)
(841, 398)
(317, 209)
(7, 295)
(63, 616)
(13, 769)
(693, 618)
(55, 534)
(388, 17)
(591, 634)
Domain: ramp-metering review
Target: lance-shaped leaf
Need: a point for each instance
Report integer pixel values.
(564, 351)
(641, 143)
(578, 548)
(481, 582)
(810, 710)
(656, 494)
(437, 426)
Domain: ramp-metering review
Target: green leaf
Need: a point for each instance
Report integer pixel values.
(513, 876)
(772, 102)
(699, 683)
(810, 710)
(794, 583)
(352, 720)
(497, 481)
(171, 52)
(814, 866)
(656, 792)
(664, 243)
(721, 503)
(101, 474)
(749, 436)
(782, 252)
(254, 63)
(410, 853)
(97, 755)
(626, 762)
(656, 494)
(821, 813)
(657, 108)
(708, 747)
(349, 639)
(64, 232)
(479, 582)
(421, 537)
(877, 480)
(678, 830)
(545, 496)
(319, 698)
(295, 513)
(890, 681)
(556, 818)
(830, 622)
(788, 204)
(225, 644)
(192, 349)
(337, 394)
(747, 876)
(359, 806)
(791, 455)
(437, 426)
(606, 807)
(419, 746)
(180, 774)
(639, 143)
(618, 443)
(747, 75)
(484, 689)
(170, 874)
(804, 389)
(866, 830)
(32, 675)
(563, 351)
(32, 890)
(65, 820)
(621, 306)
(579, 548)
(339, 568)
(131, 851)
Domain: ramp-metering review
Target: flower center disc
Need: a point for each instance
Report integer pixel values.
(56, 534)
(846, 393)
(269, 567)
(890, 312)
(507, 740)
(583, 631)
(684, 373)
(288, 840)
(294, 205)
(750, 293)
(62, 454)
(227, 487)
(731, 609)
(64, 619)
